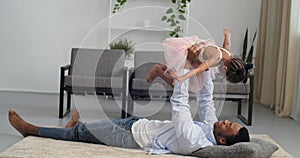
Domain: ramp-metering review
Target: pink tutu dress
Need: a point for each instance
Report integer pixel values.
(176, 51)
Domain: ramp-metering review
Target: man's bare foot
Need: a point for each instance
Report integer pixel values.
(74, 120)
(154, 72)
(20, 125)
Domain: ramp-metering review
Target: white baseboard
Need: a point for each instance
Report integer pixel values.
(28, 91)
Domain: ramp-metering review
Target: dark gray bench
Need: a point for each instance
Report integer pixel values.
(139, 88)
(92, 71)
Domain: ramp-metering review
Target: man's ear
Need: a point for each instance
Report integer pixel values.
(225, 67)
(222, 140)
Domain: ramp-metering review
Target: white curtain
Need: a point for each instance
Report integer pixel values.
(296, 105)
(296, 102)
(276, 57)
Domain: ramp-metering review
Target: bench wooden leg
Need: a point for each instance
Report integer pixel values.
(250, 105)
(61, 95)
(124, 94)
(61, 104)
(129, 105)
(247, 121)
(68, 101)
(123, 110)
(239, 107)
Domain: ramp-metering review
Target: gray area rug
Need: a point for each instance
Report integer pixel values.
(35, 147)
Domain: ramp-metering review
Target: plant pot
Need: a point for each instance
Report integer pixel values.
(129, 56)
(129, 59)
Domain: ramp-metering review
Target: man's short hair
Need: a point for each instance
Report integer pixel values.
(242, 136)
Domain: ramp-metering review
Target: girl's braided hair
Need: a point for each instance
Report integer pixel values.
(237, 70)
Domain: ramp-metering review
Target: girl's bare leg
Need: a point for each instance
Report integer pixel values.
(158, 71)
(20, 125)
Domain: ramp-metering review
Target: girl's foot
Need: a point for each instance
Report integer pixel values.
(74, 120)
(20, 125)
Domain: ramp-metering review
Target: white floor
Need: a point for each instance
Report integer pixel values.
(42, 109)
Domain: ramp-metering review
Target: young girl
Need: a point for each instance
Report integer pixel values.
(202, 55)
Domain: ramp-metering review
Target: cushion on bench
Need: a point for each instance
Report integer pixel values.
(231, 88)
(90, 82)
(219, 87)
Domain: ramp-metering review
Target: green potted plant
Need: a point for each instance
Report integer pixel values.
(118, 5)
(248, 57)
(173, 15)
(124, 44)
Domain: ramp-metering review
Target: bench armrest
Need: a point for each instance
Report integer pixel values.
(66, 67)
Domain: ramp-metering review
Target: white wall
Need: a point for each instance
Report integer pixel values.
(236, 15)
(36, 35)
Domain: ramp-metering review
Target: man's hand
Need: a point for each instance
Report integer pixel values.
(195, 48)
(174, 76)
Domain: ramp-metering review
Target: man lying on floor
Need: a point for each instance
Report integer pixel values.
(181, 135)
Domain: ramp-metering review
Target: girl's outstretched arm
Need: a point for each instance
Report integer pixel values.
(201, 68)
(227, 44)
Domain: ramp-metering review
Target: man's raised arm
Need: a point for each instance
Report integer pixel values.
(190, 135)
(204, 98)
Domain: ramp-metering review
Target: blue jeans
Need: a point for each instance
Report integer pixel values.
(114, 132)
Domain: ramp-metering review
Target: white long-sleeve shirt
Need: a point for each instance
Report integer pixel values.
(182, 135)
